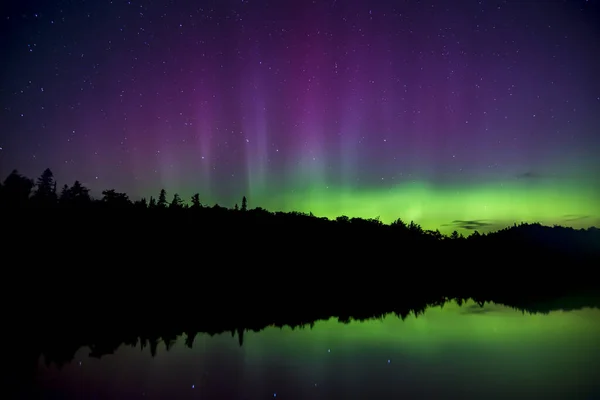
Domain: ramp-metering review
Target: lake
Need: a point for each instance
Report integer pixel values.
(452, 352)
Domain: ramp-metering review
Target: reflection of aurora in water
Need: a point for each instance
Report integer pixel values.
(449, 352)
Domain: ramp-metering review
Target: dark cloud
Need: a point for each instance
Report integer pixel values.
(529, 175)
(470, 224)
(575, 217)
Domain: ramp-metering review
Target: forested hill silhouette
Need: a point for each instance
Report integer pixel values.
(62, 246)
(168, 240)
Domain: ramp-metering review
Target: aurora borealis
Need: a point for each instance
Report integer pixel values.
(470, 114)
(452, 352)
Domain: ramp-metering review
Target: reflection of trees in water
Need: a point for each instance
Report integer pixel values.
(61, 350)
(171, 246)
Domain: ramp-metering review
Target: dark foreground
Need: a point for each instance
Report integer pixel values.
(103, 279)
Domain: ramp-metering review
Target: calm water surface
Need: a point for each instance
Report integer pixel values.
(448, 353)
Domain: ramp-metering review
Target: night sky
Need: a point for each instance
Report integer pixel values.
(452, 113)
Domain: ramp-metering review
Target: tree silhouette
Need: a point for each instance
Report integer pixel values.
(176, 202)
(16, 190)
(236, 207)
(115, 199)
(244, 203)
(141, 203)
(162, 199)
(152, 203)
(399, 224)
(65, 194)
(437, 235)
(196, 201)
(79, 195)
(455, 236)
(415, 228)
(45, 193)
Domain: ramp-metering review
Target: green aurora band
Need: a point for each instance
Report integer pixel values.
(491, 206)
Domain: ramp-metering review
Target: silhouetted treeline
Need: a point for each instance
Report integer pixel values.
(63, 249)
(61, 239)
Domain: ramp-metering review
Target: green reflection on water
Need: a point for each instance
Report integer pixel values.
(449, 352)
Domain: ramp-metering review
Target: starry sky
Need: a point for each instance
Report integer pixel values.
(468, 114)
